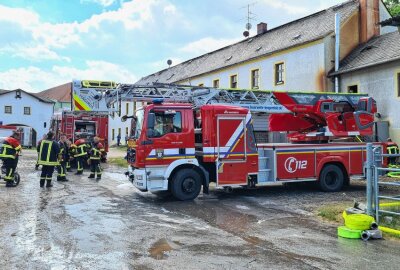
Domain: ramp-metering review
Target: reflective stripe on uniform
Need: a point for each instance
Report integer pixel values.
(8, 151)
(47, 159)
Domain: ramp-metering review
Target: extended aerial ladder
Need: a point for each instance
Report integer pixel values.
(102, 96)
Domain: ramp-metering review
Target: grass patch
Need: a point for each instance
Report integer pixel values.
(390, 221)
(119, 161)
(333, 212)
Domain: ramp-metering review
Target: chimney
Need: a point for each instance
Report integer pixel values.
(261, 28)
(369, 19)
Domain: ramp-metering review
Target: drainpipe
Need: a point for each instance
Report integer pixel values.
(337, 50)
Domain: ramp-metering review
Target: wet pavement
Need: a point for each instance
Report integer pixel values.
(108, 224)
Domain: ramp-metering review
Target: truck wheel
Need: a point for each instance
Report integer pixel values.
(331, 178)
(186, 185)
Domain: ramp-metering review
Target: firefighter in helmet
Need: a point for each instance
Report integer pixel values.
(95, 155)
(64, 158)
(80, 154)
(9, 152)
(49, 151)
(392, 149)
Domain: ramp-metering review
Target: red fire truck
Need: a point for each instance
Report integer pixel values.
(181, 147)
(86, 119)
(85, 125)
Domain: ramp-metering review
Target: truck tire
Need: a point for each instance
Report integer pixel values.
(331, 178)
(186, 185)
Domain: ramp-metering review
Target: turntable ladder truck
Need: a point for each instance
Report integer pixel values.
(186, 137)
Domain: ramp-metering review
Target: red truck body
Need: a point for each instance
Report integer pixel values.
(84, 124)
(217, 144)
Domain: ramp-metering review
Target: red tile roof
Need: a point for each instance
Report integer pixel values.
(61, 93)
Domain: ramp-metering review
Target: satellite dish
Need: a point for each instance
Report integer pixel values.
(248, 26)
(169, 62)
(246, 33)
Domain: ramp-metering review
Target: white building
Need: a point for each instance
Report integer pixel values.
(20, 108)
(297, 56)
(116, 126)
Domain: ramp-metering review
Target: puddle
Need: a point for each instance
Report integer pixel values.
(158, 249)
(243, 207)
(120, 177)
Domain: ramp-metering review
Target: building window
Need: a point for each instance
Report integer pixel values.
(27, 110)
(127, 108)
(201, 84)
(216, 83)
(279, 73)
(8, 109)
(255, 79)
(352, 89)
(398, 84)
(126, 131)
(113, 134)
(233, 81)
(119, 132)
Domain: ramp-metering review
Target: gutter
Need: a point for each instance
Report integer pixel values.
(332, 74)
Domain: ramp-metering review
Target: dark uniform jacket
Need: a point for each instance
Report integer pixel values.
(48, 153)
(96, 151)
(64, 151)
(81, 148)
(10, 148)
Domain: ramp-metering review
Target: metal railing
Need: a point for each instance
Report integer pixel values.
(374, 173)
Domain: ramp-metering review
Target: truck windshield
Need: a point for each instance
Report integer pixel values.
(139, 123)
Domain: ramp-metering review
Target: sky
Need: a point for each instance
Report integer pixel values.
(45, 43)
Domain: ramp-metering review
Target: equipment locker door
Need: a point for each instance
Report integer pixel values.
(231, 149)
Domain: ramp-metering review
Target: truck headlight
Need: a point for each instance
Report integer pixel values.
(139, 177)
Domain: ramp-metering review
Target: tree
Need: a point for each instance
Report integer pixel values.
(393, 6)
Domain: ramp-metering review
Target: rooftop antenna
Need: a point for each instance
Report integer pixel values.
(249, 17)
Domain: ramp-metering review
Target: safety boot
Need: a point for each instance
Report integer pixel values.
(59, 178)
(42, 182)
(98, 177)
(91, 175)
(10, 184)
(49, 184)
(79, 173)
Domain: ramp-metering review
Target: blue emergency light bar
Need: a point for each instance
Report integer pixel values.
(158, 101)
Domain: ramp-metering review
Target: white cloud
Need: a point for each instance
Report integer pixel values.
(28, 78)
(289, 8)
(34, 53)
(97, 70)
(206, 44)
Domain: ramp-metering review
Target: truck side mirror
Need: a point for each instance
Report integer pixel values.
(123, 118)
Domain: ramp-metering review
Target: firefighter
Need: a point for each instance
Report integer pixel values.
(9, 154)
(43, 138)
(80, 154)
(392, 149)
(96, 153)
(64, 158)
(69, 155)
(49, 151)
